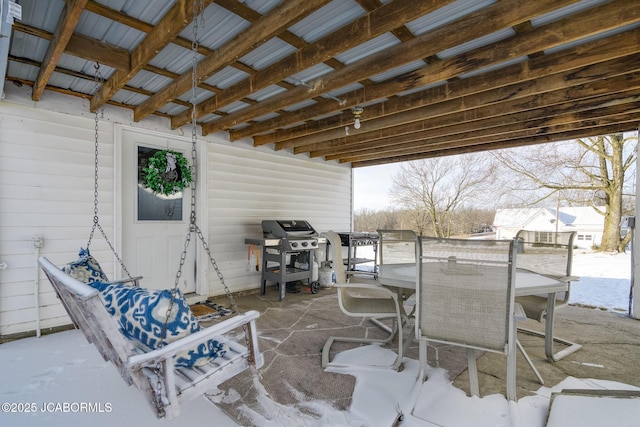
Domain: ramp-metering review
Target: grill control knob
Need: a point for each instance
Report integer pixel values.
(314, 243)
(294, 244)
(305, 243)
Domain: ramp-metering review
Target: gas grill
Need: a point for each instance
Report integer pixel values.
(287, 254)
(294, 235)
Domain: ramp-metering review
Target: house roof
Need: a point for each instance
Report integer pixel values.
(575, 216)
(431, 78)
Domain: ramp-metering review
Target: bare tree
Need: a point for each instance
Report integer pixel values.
(367, 220)
(592, 171)
(434, 189)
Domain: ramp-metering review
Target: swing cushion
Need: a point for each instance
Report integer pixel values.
(86, 268)
(141, 315)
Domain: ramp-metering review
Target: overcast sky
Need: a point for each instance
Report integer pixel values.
(371, 186)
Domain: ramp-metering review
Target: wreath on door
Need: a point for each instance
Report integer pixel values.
(168, 172)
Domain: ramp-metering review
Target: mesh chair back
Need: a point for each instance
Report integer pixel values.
(548, 253)
(397, 246)
(465, 292)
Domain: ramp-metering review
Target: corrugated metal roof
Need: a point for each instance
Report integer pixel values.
(327, 19)
(219, 26)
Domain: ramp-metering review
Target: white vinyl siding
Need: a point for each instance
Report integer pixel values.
(247, 185)
(46, 189)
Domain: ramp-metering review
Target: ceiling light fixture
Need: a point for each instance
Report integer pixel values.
(357, 112)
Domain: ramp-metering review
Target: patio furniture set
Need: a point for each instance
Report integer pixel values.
(463, 292)
(466, 293)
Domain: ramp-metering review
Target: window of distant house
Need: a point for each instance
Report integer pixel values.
(543, 237)
(585, 237)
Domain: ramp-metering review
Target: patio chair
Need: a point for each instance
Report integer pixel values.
(369, 300)
(167, 376)
(466, 297)
(594, 408)
(553, 258)
(397, 257)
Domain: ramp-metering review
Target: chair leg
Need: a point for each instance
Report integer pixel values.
(530, 362)
(397, 365)
(473, 372)
(390, 330)
(422, 357)
(397, 362)
(572, 347)
(511, 373)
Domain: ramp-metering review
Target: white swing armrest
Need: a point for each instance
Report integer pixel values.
(135, 280)
(168, 351)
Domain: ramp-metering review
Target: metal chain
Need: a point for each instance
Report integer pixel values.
(96, 221)
(198, 9)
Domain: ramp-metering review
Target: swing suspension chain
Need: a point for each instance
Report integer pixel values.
(198, 11)
(96, 222)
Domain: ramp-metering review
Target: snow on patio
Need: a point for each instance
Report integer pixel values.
(61, 380)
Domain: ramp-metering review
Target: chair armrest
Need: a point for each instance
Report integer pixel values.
(378, 288)
(190, 341)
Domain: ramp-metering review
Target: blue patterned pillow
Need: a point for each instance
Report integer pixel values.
(141, 315)
(85, 269)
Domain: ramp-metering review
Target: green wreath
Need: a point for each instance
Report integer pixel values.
(168, 172)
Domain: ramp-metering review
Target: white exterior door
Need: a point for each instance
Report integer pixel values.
(154, 227)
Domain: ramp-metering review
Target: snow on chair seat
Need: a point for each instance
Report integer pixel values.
(154, 372)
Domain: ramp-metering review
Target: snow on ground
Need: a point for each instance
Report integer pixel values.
(60, 380)
(604, 280)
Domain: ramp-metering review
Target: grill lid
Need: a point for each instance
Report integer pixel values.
(287, 228)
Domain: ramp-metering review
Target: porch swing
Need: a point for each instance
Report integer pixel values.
(166, 355)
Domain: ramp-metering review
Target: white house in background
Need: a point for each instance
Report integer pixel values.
(584, 220)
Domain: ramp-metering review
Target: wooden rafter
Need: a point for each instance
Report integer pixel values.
(61, 36)
(552, 135)
(559, 69)
(378, 21)
(526, 42)
(443, 107)
(165, 31)
(271, 24)
(531, 123)
(493, 18)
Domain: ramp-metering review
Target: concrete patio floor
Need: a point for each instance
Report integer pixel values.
(292, 333)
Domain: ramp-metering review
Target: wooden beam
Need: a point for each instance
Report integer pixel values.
(491, 19)
(526, 42)
(605, 105)
(144, 27)
(64, 30)
(166, 30)
(381, 20)
(270, 25)
(117, 16)
(524, 141)
(452, 110)
(94, 50)
(586, 96)
(84, 47)
(602, 110)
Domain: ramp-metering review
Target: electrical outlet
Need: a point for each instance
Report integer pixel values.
(38, 241)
